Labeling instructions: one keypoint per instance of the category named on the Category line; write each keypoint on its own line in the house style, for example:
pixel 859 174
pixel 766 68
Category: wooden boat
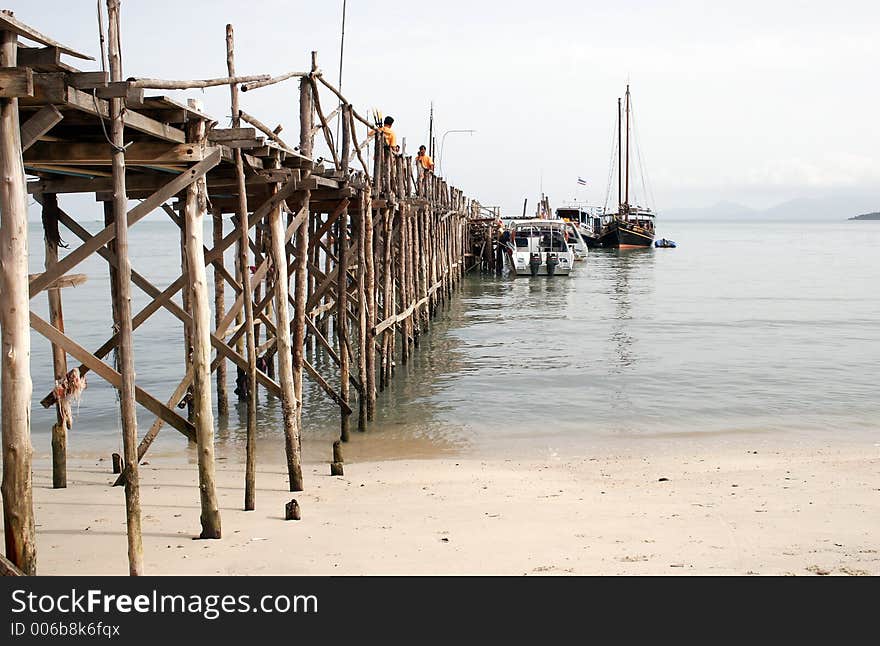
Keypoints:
pixel 632 226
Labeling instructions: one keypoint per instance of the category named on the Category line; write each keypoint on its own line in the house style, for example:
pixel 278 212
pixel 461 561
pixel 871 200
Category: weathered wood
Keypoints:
pixel 337 469
pixel 79 254
pixel 370 288
pixel 63 414
pixel 16 82
pixel 122 295
pixel 200 343
pixel 8 568
pixel 289 403
pixel 159 84
pixel 231 134
pixel 71 280
pixel 116 459
pixel 219 308
pixel 292 511
pixel 90 104
pixel 259 125
pixel 258 83
pixel 337 452
pixel 10 24
pixel 16 389
pixel 38 125
pixel 89 154
pixel 245 278
pixel 342 321
pixel 88 80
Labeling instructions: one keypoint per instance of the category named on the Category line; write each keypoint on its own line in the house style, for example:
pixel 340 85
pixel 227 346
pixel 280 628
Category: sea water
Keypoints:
pixel 747 327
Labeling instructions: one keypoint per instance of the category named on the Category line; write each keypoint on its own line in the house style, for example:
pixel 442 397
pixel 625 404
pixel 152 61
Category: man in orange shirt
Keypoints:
pixel 385 129
pixel 425 160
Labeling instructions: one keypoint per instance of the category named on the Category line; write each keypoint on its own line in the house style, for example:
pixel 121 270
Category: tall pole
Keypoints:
pixel 626 201
pixel 431 131
pixel 17 488
pixel 341 53
pixel 619 159
pixel 122 293
pixel 244 260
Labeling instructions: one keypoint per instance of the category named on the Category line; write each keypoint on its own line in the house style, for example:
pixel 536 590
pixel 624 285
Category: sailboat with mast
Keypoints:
pixel 632 226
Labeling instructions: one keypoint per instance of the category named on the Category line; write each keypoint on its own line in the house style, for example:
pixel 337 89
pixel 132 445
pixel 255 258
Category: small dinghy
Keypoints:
pixel 663 242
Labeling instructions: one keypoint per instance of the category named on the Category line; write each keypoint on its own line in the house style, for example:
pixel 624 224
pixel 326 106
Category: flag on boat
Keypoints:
pixel 582 181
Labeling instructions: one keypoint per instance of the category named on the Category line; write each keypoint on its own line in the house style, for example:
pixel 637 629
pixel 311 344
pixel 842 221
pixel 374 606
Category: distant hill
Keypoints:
pixel 827 207
pixel 868 216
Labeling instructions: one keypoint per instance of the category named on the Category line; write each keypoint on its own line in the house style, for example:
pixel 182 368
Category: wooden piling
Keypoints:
pixel 219 310
pixel 289 402
pixel 244 257
pixel 122 294
pixel 63 417
pixel 18 507
pixel 342 321
pixel 200 340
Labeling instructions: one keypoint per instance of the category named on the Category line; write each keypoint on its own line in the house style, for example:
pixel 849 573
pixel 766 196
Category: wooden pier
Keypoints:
pixel 344 257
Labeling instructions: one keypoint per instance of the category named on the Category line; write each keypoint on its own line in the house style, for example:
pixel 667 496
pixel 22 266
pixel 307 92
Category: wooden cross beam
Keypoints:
pixel 107 373
pixel 82 252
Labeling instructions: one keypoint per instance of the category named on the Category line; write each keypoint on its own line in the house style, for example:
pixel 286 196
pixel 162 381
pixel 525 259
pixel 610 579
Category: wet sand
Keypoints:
pixel 727 506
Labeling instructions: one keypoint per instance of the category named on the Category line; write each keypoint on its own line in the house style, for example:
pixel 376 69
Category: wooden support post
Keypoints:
pixel 292 511
pixel 402 282
pixel 17 488
pixel 342 320
pixel 219 308
pixel 116 460
pixel 63 416
pixel 200 339
pixel 370 289
pixel 244 255
pixel 306 121
pixel 362 312
pixel 122 294
pixel 289 401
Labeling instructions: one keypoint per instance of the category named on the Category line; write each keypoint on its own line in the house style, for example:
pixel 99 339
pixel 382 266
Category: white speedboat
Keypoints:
pixel 543 247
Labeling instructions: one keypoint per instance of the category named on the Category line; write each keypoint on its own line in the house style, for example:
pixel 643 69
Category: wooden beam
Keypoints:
pixel 231 134
pixel 99 107
pixel 16 82
pixel 41 59
pixel 10 23
pixel 138 153
pixel 38 125
pixel 107 373
pixel 136 214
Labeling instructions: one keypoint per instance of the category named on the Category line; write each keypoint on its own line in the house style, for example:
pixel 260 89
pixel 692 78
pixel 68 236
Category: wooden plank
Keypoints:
pixel 136 214
pixel 107 373
pixel 40 59
pixel 9 23
pixel 326 387
pixel 88 80
pixel 99 107
pixel 88 154
pixel 231 134
pixel 38 125
pixel 16 82
pixel 8 568
pixel 49 87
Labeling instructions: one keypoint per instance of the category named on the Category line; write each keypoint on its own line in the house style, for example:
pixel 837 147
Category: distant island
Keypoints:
pixel 868 216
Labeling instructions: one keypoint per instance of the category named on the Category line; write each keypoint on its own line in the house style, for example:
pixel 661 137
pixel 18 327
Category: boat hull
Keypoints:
pixel 622 235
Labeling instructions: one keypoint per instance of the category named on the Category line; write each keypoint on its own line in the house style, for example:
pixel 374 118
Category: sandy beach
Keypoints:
pixel 723 506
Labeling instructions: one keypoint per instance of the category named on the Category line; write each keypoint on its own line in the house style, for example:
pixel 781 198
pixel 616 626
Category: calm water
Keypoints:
pixel 770 327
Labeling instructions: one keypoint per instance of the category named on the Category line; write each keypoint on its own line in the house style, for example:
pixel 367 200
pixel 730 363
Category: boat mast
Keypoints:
pixel 619 161
pixel 626 201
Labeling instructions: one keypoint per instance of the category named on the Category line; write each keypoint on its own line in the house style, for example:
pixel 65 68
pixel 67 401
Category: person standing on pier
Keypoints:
pixel 425 160
pixel 425 167
pixel 390 136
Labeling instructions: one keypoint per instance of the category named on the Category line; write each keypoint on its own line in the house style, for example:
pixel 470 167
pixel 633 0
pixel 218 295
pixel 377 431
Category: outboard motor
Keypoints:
pixel 552 261
pixel 535 263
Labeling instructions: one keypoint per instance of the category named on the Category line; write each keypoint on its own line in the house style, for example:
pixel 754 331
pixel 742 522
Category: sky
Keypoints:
pixel 750 102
